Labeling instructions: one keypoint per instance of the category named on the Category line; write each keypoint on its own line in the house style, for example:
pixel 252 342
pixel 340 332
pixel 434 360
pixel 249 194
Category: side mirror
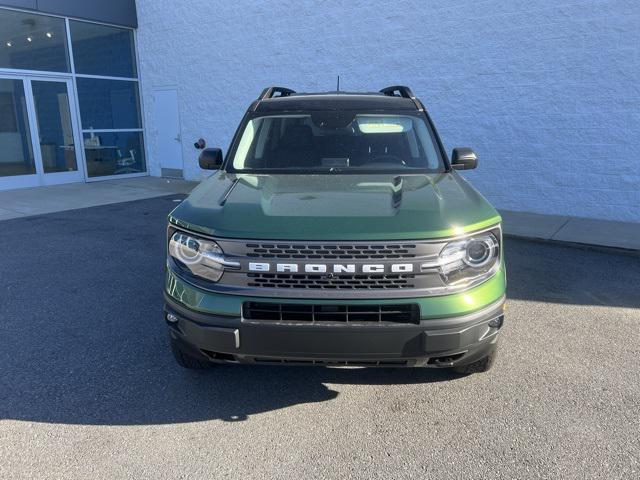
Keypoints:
pixel 210 159
pixel 200 144
pixel 463 158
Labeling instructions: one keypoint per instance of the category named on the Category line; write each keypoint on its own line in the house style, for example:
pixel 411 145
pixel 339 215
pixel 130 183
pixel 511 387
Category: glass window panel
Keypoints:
pixel 114 153
pixel 16 155
pixel 108 104
pixel 103 50
pixel 33 42
pixel 54 126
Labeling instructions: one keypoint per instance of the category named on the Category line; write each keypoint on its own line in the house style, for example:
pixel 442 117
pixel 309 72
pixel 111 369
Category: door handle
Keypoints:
pixel 178 138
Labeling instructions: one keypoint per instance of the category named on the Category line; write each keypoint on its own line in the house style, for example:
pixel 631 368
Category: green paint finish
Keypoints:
pixel 431 307
pixel 335 207
pixel 369 207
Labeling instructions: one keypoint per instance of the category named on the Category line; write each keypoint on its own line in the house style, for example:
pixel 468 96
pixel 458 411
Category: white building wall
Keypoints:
pixel 546 92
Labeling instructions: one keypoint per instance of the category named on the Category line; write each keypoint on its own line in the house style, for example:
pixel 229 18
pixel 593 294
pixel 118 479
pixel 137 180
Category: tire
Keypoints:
pixel 186 360
pixel 480 366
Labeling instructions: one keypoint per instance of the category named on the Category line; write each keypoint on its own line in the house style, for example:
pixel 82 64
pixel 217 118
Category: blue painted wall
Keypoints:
pixel 546 92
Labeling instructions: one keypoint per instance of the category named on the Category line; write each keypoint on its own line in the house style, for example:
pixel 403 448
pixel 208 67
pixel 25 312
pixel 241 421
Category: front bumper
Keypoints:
pixel 436 342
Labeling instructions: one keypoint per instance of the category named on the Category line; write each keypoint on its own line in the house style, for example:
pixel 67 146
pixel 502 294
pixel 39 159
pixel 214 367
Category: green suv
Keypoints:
pixel 336 231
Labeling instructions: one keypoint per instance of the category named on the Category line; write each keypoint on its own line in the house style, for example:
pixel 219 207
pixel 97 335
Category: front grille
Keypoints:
pixel 330 251
pixel 326 269
pixel 342 282
pixel 399 313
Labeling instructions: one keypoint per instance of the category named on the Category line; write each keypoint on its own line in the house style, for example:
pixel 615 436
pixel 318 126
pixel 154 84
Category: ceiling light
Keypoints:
pixel 9 44
pixel 49 34
pixel 29 39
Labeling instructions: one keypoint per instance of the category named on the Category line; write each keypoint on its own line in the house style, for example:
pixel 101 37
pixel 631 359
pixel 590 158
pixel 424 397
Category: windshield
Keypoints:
pixel 337 141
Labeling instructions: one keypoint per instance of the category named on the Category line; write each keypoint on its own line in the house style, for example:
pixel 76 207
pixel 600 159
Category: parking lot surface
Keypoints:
pixel 88 387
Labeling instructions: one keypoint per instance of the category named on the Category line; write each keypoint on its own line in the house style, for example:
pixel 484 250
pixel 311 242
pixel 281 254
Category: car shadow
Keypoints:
pixel 156 391
pixel 82 340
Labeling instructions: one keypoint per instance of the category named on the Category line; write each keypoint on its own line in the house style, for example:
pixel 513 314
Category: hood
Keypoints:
pixel 334 207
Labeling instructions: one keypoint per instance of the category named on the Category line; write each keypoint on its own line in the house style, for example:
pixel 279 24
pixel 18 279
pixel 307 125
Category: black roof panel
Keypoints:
pixel 337 101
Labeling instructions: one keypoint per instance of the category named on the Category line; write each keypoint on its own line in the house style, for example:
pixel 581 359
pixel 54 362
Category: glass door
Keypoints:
pixel 38 133
pixel 17 156
pixel 57 138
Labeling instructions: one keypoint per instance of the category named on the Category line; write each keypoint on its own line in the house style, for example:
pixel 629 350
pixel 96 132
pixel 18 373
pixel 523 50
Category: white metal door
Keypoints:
pixel 167 122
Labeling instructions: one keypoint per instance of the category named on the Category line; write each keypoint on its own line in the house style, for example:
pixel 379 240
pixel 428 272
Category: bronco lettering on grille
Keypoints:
pixel 332 268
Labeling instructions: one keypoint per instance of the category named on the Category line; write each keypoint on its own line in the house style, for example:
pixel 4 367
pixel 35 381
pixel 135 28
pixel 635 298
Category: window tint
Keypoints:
pixel 33 42
pixel 114 153
pixel 16 155
pixel 108 104
pixel 55 131
pixel 102 50
pixel 349 141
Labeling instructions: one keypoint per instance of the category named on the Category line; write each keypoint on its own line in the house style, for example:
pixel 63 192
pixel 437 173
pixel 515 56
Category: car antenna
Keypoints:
pixel 338 86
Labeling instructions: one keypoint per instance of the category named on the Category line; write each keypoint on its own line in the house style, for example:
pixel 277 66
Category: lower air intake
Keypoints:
pixel 291 312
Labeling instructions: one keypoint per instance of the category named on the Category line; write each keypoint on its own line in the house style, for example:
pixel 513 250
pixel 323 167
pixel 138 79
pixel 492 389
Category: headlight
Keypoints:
pixel 203 258
pixel 469 260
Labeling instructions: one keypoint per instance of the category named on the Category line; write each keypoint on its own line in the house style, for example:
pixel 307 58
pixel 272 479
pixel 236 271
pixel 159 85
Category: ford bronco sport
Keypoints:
pixel 336 231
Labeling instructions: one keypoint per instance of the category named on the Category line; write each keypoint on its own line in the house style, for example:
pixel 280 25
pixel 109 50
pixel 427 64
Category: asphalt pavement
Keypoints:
pixel 89 389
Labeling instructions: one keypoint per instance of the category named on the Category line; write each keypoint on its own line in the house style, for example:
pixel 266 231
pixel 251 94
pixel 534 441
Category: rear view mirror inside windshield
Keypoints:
pixel 332 119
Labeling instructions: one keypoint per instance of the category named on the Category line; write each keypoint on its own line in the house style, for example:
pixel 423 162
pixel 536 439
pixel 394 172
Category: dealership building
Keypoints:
pixel 546 93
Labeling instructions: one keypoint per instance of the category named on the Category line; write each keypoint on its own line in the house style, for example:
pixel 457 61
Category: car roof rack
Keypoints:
pixel 404 92
pixel 270 92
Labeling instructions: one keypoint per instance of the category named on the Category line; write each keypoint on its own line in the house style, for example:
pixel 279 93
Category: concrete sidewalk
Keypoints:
pixel 586 231
pixel 39 200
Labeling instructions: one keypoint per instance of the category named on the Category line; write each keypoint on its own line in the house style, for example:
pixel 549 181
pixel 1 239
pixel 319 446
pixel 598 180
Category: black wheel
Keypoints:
pixel 480 366
pixel 185 360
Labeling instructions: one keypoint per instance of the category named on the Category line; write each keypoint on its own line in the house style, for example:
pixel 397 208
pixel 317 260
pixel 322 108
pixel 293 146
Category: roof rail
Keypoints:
pixel 270 92
pixel 402 91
